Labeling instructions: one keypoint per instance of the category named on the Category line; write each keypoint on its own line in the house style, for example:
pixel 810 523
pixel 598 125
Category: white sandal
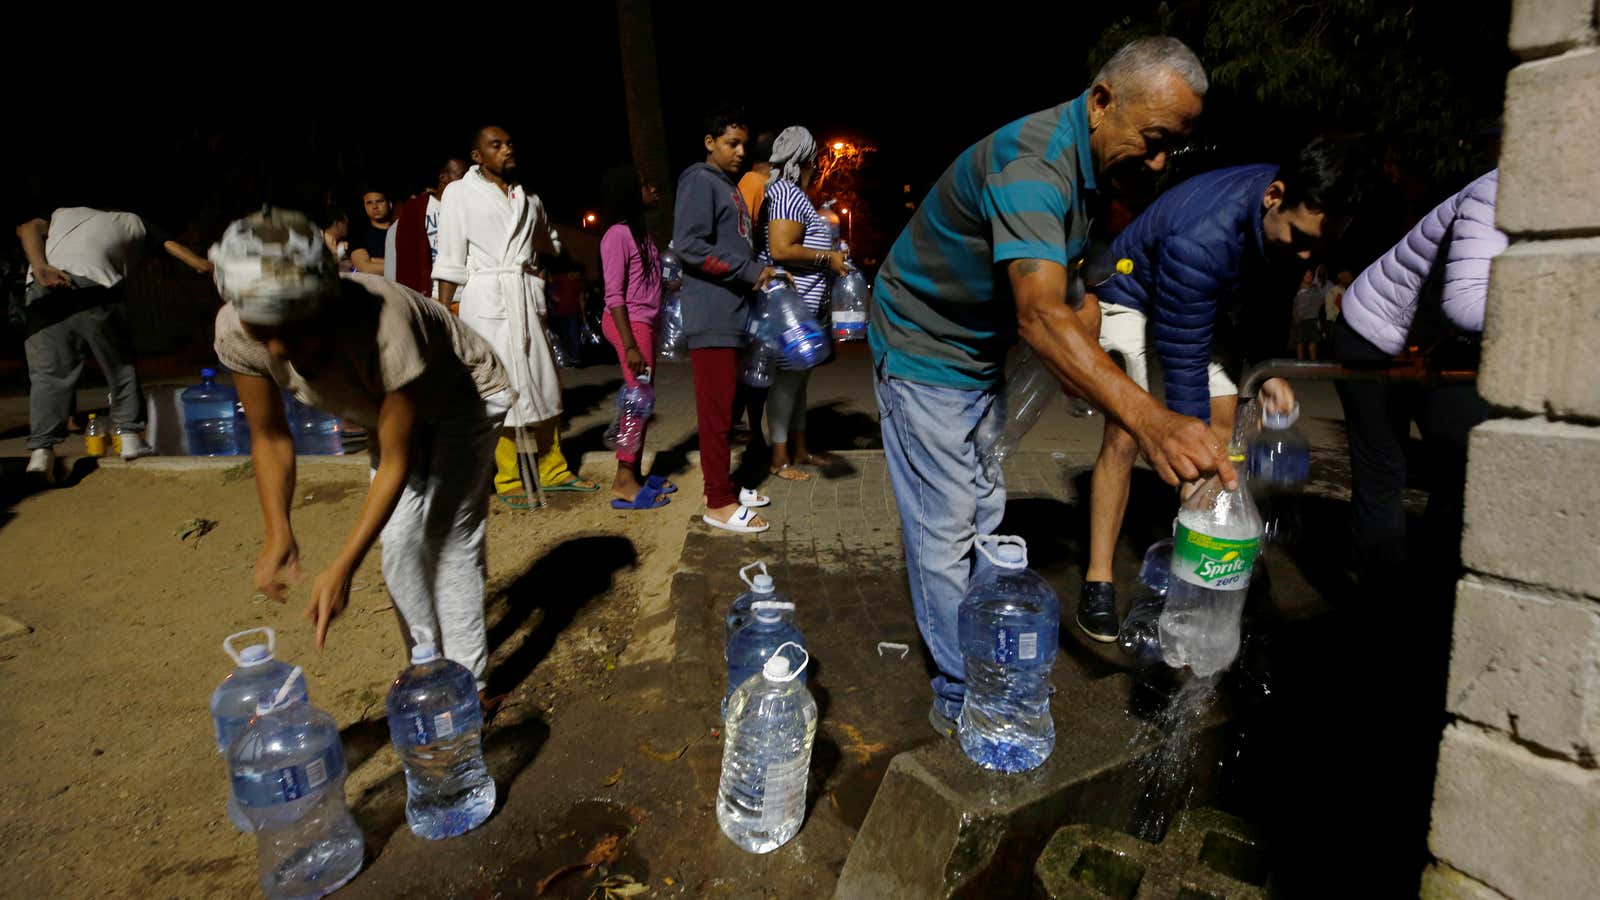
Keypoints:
pixel 749 497
pixel 739 522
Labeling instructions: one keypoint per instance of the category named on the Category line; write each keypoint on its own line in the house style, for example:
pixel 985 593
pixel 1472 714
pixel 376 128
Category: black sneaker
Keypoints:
pixel 941 723
pixel 1097 611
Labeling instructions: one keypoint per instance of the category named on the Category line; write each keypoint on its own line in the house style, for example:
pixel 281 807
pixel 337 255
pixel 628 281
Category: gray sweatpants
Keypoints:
pixel 55 364
pixel 434 545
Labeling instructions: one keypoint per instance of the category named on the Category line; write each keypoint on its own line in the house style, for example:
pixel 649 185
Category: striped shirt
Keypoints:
pixel 786 201
pixel 943 315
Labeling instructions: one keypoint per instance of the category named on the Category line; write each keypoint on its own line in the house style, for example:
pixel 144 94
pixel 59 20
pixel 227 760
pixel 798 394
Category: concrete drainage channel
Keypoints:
pixel 941 827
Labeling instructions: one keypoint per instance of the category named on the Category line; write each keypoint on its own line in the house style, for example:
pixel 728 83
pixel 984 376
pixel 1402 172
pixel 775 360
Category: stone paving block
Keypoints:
pixel 1527 661
pixel 1209 854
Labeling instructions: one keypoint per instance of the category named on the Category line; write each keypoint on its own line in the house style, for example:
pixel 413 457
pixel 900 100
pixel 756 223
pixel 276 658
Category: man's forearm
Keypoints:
pixel 447 293
pixel 184 255
pixel 1066 347
pixel 396 432
pixel 32 234
pixel 272 457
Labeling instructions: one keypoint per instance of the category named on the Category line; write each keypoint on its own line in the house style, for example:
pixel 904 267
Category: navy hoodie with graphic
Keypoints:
pixel 711 234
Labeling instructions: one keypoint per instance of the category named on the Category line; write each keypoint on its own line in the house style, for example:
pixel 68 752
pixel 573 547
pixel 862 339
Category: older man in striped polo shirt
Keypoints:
pixel 985 261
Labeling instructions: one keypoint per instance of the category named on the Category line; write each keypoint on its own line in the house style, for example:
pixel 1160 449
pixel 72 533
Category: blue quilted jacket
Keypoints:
pixel 1188 250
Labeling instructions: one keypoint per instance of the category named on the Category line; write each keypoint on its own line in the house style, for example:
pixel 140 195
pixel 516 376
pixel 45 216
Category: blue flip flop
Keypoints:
pixel 660 483
pixel 645 499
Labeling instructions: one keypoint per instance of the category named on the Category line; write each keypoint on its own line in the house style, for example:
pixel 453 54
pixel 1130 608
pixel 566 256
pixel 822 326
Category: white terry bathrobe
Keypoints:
pixel 488 241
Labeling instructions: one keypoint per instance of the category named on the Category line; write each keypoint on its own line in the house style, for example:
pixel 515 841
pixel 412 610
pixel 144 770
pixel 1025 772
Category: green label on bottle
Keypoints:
pixel 1212 562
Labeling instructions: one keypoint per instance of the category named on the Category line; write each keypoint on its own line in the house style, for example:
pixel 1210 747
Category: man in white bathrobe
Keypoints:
pixel 490 234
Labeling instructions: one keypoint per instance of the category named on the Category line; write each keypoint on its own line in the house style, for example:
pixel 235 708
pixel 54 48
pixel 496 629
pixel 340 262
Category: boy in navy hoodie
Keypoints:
pixel 712 236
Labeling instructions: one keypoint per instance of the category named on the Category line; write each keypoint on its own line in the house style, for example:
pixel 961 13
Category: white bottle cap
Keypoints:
pixel 777 668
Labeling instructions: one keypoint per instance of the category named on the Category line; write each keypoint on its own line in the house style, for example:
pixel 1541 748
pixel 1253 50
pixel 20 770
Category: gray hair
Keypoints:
pixel 1130 70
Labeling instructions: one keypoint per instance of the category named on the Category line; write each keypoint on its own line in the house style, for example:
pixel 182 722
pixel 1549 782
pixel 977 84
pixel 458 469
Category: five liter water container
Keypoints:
pixel 1028 391
pixel 672 342
pixel 315 432
pixel 849 300
pixel 1279 465
pixel 1213 551
pixel 757 371
pixel 741 613
pixel 751 646
pixel 208 418
pixel 1140 634
pixel 1009 621
pixel 288 774
pixel 257 675
pixel 435 723
pixel 789 330
pixel 671 271
pixel 766 755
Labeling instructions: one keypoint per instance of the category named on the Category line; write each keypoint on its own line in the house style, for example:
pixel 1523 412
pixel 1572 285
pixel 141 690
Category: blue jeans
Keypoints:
pixel 945 500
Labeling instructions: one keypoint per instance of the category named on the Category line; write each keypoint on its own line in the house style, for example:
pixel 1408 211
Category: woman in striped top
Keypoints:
pixel 799 241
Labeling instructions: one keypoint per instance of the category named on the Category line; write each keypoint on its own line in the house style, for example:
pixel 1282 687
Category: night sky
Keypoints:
pixel 194 123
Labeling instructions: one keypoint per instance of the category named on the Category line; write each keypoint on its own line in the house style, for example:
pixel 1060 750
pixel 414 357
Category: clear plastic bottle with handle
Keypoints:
pixel 748 649
pixel 288 772
pixel 790 330
pixel 1214 549
pixel 257 675
pixel 766 755
pixel 435 724
pixel 849 298
pixel 1279 465
pixel 1008 626
pixel 741 613
pixel 635 405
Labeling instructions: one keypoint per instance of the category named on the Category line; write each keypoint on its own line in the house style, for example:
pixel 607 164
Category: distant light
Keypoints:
pixel 838 145
pixel 845 211
pixel 589 218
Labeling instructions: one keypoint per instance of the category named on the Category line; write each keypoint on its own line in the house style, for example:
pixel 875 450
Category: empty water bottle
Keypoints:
pixel 757 370
pixel 849 299
pixel 1028 391
pixel 1008 624
pixel 671 270
pixel 1140 635
pixel 315 432
pixel 435 724
pixel 672 341
pixel 750 646
pixel 208 417
pixel 741 614
pixel 288 773
pixel 766 755
pixel 1213 553
pixel 1156 570
pixel 1279 465
pixel 256 676
pixel 792 332
pixel 635 404
pixel 558 351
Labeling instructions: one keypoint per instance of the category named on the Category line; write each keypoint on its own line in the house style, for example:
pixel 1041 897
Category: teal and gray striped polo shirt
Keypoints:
pixel 944 315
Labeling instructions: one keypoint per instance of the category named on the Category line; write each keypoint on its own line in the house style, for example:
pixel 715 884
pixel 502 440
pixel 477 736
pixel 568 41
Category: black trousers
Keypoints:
pixel 1378 417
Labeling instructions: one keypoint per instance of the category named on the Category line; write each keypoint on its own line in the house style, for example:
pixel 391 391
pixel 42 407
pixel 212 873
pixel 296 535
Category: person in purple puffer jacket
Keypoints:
pixel 1427 292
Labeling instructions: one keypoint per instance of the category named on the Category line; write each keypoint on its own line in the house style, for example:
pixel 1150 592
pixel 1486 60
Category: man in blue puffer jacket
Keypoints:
pixel 1191 251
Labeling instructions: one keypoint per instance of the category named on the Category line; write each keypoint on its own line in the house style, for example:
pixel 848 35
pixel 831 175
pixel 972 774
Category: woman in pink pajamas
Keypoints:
pixel 632 268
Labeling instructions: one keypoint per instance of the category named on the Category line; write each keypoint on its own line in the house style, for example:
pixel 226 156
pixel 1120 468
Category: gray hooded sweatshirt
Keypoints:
pixel 711 234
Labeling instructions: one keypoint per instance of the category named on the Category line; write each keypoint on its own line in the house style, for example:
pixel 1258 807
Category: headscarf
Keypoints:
pixel 274 267
pixel 792 150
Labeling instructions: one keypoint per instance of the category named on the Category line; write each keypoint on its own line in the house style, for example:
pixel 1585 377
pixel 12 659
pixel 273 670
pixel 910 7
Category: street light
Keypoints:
pixel 589 219
pixel 838 145
pixel 849 226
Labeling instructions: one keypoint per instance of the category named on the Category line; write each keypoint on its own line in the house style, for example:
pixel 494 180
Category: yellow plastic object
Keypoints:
pixel 1125 266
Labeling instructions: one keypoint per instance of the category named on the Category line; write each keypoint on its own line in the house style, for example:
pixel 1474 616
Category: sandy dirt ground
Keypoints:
pixel 110 783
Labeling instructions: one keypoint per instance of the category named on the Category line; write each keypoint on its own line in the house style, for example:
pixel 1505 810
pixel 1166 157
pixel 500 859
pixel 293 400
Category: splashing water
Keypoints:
pixel 1165 770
